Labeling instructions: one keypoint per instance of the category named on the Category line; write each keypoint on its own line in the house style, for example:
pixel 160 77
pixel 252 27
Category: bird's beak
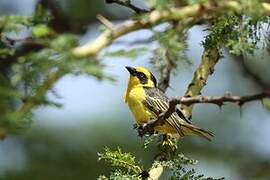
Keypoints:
pixel 131 70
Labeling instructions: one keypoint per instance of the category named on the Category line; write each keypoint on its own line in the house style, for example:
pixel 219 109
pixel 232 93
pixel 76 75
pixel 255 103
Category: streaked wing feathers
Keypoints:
pixel 157 102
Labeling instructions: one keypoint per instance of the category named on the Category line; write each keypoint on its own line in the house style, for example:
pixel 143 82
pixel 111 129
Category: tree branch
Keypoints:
pixel 170 56
pixel 108 24
pixel 42 90
pixel 155 17
pixel 206 68
pixel 165 74
pixel 217 100
pixel 128 4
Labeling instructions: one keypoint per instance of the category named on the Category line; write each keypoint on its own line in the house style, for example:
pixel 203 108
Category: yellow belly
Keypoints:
pixel 135 99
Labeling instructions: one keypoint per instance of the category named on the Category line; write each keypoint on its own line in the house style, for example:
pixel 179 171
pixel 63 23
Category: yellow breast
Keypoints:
pixel 134 99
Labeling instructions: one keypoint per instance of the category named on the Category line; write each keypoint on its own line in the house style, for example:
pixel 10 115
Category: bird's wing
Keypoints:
pixel 157 102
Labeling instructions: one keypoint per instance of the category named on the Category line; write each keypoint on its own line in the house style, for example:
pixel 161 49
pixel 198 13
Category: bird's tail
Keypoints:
pixel 190 129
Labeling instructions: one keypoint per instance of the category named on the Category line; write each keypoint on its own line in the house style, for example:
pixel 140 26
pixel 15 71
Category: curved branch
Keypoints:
pixel 155 17
pixel 106 38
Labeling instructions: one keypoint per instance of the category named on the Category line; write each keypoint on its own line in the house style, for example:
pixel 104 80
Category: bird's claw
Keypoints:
pixel 145 129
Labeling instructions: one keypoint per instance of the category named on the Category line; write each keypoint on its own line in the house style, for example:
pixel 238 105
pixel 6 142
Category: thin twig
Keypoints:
pixel 128 4
pixel 105 22
pixel 170 56
pixel 24 42
pixel 165 72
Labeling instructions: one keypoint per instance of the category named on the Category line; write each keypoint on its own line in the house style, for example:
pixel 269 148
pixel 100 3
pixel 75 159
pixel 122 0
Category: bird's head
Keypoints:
pixel 141 77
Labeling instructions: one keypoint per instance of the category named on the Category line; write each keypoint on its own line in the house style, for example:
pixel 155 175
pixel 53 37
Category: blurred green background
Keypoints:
pixel 63 143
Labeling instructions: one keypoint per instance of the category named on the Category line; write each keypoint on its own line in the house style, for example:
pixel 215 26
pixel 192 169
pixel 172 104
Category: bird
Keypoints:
pixel 147 102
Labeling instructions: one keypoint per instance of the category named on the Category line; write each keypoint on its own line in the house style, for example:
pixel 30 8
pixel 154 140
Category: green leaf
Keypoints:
pixel 64 43
pixel 41 30
pixel 132 53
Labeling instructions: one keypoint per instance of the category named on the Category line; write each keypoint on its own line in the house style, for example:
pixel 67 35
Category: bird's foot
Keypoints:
pixel 146 128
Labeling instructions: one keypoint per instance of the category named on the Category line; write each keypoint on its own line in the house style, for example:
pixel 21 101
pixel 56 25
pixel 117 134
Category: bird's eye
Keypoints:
pixel 141 76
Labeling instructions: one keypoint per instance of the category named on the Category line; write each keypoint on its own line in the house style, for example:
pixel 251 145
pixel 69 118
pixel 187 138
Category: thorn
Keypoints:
pixel 241 103
pixel 220 104
pixel 211 70
pixel 241 109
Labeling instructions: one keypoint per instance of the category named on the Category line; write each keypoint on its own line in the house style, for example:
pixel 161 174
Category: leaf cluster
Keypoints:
pixel 241 34
pixel 127 53
pixel 125 164
pixel 30 51
pixel 126 167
